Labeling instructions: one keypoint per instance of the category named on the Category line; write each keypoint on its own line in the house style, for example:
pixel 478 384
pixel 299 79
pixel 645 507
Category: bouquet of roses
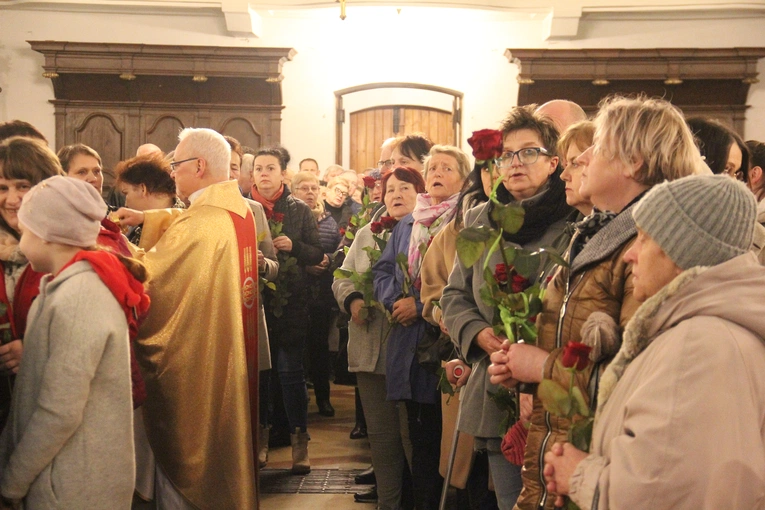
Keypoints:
pixel 363 281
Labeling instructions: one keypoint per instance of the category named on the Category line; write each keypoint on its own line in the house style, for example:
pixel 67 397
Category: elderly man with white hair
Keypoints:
pixel 198 345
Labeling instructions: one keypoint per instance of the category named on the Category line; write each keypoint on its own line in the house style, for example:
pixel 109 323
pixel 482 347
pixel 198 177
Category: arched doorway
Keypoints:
pixel 377 111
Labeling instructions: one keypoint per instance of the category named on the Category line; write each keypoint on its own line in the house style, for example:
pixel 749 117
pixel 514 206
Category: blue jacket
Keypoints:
pixel 404 377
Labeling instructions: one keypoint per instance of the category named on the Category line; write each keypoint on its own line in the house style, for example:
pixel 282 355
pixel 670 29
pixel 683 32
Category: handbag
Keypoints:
pixel 433 348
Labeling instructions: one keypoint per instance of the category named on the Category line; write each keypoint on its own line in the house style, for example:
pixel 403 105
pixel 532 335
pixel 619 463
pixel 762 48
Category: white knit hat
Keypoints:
pixel 701 220
pixel 63 210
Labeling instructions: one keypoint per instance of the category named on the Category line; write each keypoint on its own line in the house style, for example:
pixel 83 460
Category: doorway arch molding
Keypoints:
pixel 340 114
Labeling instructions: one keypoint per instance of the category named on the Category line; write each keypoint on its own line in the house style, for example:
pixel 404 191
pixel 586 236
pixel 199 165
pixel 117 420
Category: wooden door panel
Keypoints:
pixel 164 132
pixel 104 133
pixel 370 127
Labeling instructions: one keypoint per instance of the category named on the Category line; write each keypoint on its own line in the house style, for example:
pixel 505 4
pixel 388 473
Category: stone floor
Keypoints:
pixel 329 448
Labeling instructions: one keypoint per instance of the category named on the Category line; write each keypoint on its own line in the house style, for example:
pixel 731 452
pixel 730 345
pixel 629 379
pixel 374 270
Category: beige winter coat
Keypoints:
pixel 681 419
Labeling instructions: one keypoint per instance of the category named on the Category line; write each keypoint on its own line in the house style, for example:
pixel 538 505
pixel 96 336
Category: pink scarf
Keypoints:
pixel 429 219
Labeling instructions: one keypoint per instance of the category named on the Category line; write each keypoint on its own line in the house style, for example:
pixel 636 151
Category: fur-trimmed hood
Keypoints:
pixel 731 291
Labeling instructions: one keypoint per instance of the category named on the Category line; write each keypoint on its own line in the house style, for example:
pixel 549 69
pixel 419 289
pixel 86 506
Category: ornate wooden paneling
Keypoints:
pixel 164 130
pixel 713 82
pixel 115 97
pixel 243 130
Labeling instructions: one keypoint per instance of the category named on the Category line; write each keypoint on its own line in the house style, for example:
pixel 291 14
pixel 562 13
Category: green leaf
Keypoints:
pixel 554 397
pixel 527 264
pixel 510 253
pixel 580 434
pixel 469 252
pixel 580 404
pixel 475 234
pixel 341 273
pixel 486 295
pixel 349 234
pixel 555 256
pixel 509 217
pixel 535 305
pixel 271 285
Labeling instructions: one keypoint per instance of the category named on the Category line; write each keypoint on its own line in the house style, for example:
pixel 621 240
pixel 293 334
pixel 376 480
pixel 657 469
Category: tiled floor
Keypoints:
pixel 330 447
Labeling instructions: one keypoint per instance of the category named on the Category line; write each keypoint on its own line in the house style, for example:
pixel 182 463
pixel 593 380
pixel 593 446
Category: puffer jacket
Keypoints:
pixel 681 416
pixel 598 279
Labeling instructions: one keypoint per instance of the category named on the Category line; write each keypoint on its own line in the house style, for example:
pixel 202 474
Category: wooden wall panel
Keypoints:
pixel 243 130
pixel 104 133
pixel 164 132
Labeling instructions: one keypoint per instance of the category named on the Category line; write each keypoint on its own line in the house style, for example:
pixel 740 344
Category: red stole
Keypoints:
pixel 248 272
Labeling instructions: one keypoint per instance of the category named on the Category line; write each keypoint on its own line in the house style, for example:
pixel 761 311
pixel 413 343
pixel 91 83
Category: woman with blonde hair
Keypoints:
pixel 638 143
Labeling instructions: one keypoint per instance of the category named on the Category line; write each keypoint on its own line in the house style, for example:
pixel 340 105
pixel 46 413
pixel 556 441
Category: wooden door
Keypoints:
pixel 372 126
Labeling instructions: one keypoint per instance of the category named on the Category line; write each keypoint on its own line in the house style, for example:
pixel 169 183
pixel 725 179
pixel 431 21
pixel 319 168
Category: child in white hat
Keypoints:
pixel 69 438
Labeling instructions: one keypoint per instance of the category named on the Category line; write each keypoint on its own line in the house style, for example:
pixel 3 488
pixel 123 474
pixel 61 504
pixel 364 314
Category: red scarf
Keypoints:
pixel 131 296
pixel 267 204
pixel 128 291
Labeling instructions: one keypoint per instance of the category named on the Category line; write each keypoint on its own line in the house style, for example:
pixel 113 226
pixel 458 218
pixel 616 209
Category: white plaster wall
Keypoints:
pixel 454 48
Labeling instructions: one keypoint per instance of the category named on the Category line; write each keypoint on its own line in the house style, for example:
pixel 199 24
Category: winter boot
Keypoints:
pixel 300 463
pixel 263 446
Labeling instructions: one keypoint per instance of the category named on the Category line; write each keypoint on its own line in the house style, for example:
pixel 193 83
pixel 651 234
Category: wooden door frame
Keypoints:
pixel 457 105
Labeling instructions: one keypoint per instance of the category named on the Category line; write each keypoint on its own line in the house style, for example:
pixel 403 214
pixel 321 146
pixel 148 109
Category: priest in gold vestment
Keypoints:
pixel 192 346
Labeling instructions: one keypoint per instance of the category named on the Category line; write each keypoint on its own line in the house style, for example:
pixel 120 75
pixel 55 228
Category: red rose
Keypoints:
pixel 519 283
pixel 388 222
pixel 369 181
pixel 500 273
pixel 376 227
pixel 486 144
pixel 278 217
pixel 577 355
pixel 342 232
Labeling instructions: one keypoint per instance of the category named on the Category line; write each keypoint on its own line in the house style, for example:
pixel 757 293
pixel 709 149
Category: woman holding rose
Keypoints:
pixel 397 287
pixel 531 178
pixel 637 144
pixel 367 341
pixel 694 345
pixel 298 239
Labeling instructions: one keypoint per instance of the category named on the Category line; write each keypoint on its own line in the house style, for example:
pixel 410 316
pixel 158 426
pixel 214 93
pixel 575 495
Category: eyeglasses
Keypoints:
pixel 385 163
pixel 340 192
pixel 174 164
pixel 306 189
pixel 526 156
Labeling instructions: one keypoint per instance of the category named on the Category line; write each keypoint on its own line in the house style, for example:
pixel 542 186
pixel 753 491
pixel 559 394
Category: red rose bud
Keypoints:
pixel 500 273
pixel 486 144
pixel 388 222
pixel 278 217
pixel 342 232
pixel 376 227
pixel 576 355
pixel 369 181
pixel 520 283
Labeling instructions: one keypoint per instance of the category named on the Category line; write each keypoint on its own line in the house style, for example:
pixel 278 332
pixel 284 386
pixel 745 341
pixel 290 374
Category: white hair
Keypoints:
pixel 210 146
pixel 248 163
pixel 331 169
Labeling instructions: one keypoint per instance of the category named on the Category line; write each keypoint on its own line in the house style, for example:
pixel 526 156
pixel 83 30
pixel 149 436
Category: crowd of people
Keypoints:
pixel 157 338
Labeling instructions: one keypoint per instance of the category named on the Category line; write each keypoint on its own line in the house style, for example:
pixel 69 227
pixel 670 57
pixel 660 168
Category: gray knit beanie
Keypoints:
pixel 701 220
pixel 63 210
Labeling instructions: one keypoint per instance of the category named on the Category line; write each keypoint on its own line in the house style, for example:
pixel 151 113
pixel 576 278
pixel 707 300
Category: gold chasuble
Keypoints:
pixel 192 352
